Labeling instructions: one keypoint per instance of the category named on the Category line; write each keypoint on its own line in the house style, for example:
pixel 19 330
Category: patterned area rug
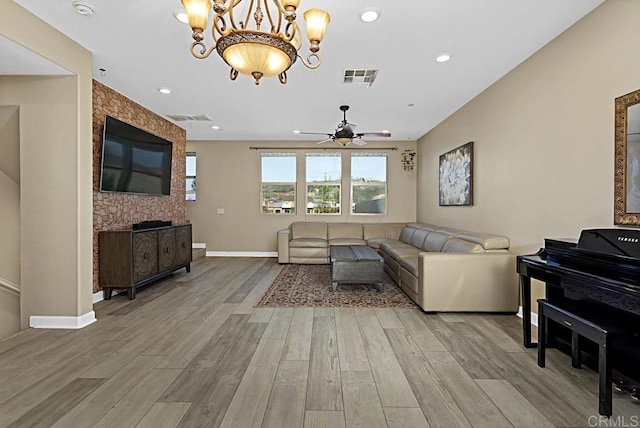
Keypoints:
pixel 310 286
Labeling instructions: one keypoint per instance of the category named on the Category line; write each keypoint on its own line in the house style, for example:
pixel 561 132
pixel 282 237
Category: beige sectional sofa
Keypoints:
pixel 441 269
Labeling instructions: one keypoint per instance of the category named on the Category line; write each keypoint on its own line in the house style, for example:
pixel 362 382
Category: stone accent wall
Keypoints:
pixel 120 210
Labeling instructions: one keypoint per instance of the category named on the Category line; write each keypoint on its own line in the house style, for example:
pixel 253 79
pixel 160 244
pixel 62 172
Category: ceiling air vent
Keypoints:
pixel 361 76
pixel 189 117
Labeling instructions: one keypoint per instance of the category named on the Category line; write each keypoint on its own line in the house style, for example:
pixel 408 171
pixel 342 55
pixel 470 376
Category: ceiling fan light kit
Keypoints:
pixel 255 52
pixel 345 132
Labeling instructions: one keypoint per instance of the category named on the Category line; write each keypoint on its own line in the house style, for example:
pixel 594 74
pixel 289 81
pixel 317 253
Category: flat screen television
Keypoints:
pixel 133 160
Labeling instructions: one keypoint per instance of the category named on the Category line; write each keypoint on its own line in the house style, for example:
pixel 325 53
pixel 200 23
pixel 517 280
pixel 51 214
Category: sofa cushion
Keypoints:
pixel 347 241
pixel 390 244
pixel 406 233
pixel 418 237
pixel 382 230
pixel 308 252
pixel 390 263
pixel 435 241
pixel 308 243
pixel 449 231
pixel 488 241
pixel 344 230
pixel 401 252
pixel 376 243
pixel 410 263
pixel 429 227
pixel 308 230
pixel 455 245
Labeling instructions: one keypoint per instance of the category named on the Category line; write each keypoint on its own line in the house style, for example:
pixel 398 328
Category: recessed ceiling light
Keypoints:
pixel 370 15
pixel 296 131
pixel 181 16
pixel 443 57
pixel 82 8
pixel 216 127
pixel 165 91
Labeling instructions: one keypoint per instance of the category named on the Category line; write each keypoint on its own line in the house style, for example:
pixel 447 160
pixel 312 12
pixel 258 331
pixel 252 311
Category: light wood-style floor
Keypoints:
pixel 192 351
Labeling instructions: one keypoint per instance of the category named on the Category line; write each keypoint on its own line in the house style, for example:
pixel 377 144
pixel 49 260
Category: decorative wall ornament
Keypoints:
pixel 408 159
pixel 456 176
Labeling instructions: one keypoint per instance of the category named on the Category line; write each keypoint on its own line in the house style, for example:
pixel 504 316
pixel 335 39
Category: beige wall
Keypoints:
pixel 9 255
pixel 543 136
pixel 228 177
pixel 10 215
pixel 48 200
pixel 55 168
pixel 10 194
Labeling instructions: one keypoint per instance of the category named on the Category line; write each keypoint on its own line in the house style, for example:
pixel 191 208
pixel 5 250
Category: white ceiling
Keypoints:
pixel 142 47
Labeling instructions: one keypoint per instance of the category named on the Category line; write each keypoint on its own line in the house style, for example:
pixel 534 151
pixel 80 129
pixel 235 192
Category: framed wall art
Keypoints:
pixel 456 176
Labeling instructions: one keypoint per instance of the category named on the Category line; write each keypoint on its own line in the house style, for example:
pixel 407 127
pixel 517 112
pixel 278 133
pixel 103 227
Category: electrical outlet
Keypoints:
pixel 220 211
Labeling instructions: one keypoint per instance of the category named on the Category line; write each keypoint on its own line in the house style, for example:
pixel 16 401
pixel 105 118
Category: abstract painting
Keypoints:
pixel 456 176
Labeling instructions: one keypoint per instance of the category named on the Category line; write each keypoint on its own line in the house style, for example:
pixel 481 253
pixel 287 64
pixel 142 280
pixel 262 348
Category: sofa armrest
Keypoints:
pixel 284 236
pixel 485 282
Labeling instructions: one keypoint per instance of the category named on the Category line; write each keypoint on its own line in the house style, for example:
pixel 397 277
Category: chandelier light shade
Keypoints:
pixel 248 49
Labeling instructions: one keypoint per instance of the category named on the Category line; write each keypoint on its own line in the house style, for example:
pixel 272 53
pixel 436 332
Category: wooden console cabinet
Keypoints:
pixel 131 258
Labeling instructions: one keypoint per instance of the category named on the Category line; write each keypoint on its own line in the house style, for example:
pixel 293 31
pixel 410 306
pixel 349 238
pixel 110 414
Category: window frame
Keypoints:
pixel 294 184
pixel 191 177
pixel 353 184
pixel 315 183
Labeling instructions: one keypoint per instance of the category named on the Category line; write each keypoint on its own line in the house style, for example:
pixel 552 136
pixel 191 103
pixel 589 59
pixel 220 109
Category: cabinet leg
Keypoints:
pixel 106 293
pixel 131 293
pixel 188 267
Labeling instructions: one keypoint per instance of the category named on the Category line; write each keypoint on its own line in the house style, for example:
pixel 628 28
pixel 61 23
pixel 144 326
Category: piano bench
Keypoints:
pixel 583 321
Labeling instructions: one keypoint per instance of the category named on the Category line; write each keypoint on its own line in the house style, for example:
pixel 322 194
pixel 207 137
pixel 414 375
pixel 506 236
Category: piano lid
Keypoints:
pixel 619 242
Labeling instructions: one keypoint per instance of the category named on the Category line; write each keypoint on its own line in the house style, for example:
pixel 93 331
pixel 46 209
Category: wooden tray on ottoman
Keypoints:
pixel 356 264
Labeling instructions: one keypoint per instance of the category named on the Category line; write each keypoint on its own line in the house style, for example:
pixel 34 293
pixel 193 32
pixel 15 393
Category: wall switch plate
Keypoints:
pixel 220 211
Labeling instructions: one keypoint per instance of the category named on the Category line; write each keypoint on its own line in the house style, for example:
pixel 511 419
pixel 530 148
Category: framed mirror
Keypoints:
pixel 627 159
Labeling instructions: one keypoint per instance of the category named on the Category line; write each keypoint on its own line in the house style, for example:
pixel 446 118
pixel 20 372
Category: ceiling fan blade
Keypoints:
pixel 325 141
pixel 374 134
pixel 359 141
pixel 315 133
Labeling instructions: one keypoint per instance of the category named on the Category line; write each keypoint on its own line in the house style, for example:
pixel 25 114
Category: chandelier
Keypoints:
pixel 252 51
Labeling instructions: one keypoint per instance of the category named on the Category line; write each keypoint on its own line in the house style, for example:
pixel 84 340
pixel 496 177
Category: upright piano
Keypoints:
pixel 601 269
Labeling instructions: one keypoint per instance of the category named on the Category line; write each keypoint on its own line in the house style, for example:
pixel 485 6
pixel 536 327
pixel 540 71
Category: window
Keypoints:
pixel 323 183
pixel 191 176
pixel 368 183
pixel 278 186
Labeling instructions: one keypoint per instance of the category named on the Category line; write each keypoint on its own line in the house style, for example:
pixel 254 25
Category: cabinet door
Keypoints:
pixel 166 249
pixel 183 244
pixel 145 255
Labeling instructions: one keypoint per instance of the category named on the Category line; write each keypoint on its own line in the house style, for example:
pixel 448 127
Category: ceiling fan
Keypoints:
pixel 345 132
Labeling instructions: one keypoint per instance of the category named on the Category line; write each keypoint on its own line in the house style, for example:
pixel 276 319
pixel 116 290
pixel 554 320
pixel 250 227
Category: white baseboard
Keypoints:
pixel 241 254
pixel 534 316
pixel 198 245
pixel 36 321
pixel 98 297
